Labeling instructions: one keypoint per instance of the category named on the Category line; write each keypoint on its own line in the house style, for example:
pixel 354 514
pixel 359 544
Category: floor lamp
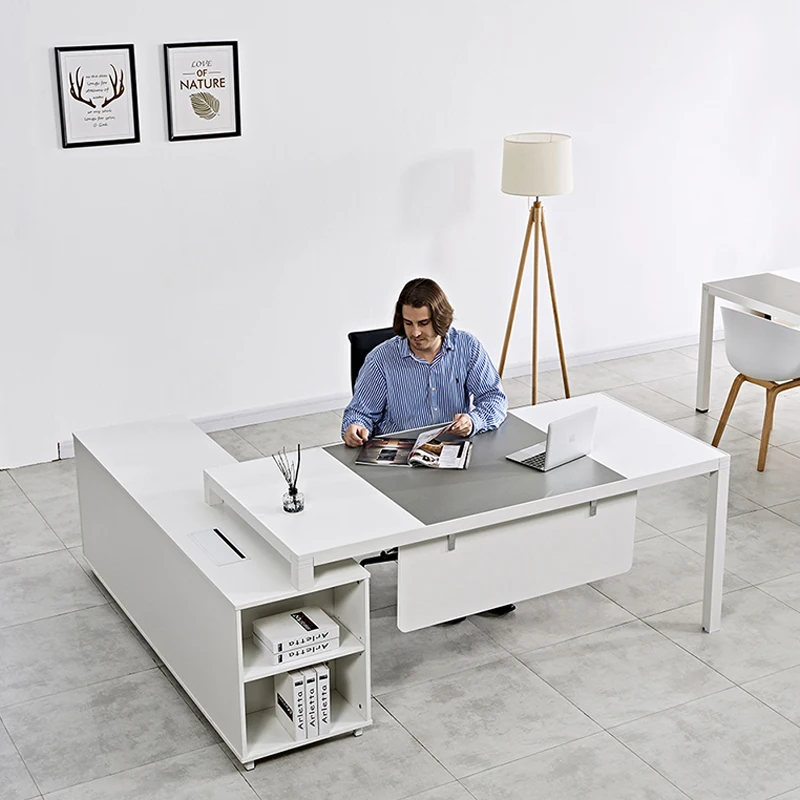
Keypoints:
pixel 536 165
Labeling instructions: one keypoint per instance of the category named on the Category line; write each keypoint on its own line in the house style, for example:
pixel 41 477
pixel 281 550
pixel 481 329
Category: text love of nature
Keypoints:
pixel 201 81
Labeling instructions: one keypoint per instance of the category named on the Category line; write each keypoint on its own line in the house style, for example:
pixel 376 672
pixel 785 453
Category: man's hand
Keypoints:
pixel 355 435
pixel 462 425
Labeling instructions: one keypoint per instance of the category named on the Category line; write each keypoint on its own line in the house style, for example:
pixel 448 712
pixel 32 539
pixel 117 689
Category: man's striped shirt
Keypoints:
pixel 395 390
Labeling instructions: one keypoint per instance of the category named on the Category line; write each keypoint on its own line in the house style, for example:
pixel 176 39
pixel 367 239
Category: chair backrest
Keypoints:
pixel 361 343
pixel 760 348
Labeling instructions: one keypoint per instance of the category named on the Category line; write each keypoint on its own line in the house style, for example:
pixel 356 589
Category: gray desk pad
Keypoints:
pixel 490 482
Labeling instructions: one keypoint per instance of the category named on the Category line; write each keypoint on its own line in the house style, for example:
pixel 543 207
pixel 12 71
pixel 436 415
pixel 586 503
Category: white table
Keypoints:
pixel 347 517
pixel 774 293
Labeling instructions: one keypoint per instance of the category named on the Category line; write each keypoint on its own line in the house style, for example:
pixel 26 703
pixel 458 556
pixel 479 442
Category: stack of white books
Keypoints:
pixel 303 702
pixel 305 634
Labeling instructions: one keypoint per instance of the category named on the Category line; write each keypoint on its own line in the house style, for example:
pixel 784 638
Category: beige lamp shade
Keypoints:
pixel 537 164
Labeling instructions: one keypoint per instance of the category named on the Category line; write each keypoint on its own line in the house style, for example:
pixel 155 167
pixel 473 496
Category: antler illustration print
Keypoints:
pixel 117 86
pixel 76 89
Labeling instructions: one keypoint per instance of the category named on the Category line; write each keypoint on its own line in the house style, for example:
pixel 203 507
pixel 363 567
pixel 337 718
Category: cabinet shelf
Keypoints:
pixel 256 661
pixel 266 736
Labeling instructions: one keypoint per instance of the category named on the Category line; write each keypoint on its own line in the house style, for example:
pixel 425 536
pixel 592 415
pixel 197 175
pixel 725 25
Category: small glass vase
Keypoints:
pixel 293 501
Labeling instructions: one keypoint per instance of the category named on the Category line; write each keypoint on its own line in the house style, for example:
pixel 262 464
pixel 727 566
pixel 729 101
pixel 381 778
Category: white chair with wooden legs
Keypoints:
pixel 762 352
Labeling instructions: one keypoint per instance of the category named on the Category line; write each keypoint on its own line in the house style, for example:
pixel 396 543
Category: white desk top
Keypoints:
pixel 347 517
pixel 767 292
pixel 160 464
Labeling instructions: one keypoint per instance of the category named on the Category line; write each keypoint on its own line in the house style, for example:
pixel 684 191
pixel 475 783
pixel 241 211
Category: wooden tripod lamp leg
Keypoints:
pixel 537 223
pixel 512 312
pixel 555 306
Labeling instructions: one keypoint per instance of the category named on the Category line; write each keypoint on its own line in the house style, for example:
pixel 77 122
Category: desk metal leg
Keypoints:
pixel 715 545
pixel 704 356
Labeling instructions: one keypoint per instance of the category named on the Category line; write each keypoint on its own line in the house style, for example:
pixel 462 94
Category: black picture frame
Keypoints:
pixel 202 90
pixel 84 101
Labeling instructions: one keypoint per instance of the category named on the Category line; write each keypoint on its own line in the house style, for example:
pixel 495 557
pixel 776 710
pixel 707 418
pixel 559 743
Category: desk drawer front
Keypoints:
pixel 514 561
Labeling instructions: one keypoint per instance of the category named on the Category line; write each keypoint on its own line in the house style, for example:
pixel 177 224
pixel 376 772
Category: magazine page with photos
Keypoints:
pixel 433 448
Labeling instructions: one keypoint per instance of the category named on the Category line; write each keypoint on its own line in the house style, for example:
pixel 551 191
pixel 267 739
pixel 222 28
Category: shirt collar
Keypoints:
pixel 447 344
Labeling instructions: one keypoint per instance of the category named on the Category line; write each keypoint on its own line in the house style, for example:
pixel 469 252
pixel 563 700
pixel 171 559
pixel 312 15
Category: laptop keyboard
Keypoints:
pixel 535 461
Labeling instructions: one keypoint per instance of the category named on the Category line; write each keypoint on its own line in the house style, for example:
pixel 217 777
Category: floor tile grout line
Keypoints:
pixel 490 660
pixel 783 794
pixel 653 713
pixel 506 652
pixel 763 702
pixel 505 763
pixel 43 518
pixel 694 655
pixel 560 694
pixel 710 666
pixel 469 793
pixel 736 574
pixel 60 549
pixel 702 555
pixel 642 382
pixel 685 703
pixel 76 689
pixel 130 769
pixel 414 737
pixel 648 764
pixel 21 757
pixel 671 608
pixel 549 749
pixel 611 599
pixel 53 616
pixel 772 596
pixel 577 637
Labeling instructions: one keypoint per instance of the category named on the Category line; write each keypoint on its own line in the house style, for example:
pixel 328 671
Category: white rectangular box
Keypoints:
pixel 310 652
pixel 294 629
pixel 323 699
pixel 312 711
pixel 290 705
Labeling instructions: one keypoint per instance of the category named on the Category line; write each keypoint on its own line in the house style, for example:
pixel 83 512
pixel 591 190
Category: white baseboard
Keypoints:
pixel 252 416
pixel 255 416
pixel 595 356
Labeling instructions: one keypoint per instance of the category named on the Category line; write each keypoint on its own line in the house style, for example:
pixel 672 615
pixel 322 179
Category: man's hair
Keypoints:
pixel 421 292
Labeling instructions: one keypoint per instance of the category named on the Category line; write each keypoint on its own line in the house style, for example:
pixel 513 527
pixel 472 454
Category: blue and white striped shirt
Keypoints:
pixel 395 390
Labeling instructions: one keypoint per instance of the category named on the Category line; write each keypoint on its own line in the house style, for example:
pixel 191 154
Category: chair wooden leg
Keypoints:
pixel 769 413
pixel 726 412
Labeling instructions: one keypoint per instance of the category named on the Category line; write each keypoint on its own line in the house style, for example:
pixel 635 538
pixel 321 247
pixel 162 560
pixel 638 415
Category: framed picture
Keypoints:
pixel 97 95
pixel 202 90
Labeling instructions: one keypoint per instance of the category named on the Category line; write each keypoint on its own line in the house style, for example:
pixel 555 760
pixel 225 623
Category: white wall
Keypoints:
pixel 205 278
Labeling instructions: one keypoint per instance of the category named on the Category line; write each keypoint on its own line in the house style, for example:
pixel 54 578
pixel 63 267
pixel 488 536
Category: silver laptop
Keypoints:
pixel 568 438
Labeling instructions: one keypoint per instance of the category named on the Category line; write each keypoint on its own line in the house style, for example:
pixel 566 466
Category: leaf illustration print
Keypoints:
pixel 205 105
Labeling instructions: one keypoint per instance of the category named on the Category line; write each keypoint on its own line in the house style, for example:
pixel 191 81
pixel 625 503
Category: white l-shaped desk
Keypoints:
pixel 346 516
pixel 194 546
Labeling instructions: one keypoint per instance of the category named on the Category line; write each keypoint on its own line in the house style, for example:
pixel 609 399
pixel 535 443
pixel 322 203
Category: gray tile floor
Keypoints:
pixel 607 691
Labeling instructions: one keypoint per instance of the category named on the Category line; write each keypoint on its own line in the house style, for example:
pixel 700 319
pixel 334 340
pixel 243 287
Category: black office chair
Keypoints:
pixel 361 343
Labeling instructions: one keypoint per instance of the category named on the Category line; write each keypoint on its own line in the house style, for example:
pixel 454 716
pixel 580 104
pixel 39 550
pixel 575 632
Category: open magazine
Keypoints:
pixel 433 448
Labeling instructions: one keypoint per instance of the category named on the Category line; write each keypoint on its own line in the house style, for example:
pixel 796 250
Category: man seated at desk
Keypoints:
pixel 427 374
